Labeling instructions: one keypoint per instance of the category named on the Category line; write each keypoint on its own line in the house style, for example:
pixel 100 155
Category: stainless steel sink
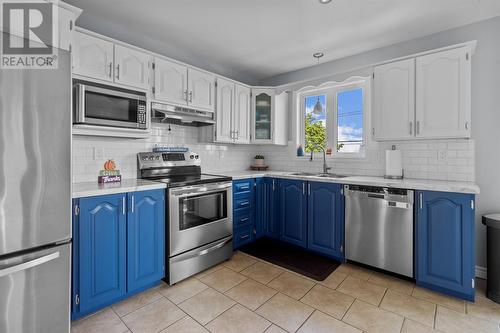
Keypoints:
pixel 323 175
pixel 303 174
pixel 331 175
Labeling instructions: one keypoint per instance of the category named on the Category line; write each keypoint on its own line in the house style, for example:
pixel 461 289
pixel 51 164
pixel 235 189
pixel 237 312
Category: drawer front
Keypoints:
pixel 241 203
pixel 242 220
pixel 243 186
pixel 242 236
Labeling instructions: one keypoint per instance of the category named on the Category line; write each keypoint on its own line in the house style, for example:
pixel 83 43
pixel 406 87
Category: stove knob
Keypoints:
pixel 151 158
pixel 191 156
pixel 144 158
pixel 157 158
pixel 197 157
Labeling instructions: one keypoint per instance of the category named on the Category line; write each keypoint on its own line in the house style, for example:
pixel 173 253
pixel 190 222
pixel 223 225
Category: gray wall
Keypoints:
pixel 485 101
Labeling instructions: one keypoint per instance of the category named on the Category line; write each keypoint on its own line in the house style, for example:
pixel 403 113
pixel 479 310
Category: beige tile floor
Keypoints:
pixel 246 294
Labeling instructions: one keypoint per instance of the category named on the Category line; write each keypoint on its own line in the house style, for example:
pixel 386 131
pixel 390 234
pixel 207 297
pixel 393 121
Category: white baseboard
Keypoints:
pixel 481 272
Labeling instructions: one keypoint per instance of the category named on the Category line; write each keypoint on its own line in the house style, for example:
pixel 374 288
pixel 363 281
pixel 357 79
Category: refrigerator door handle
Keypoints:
pixel 28 264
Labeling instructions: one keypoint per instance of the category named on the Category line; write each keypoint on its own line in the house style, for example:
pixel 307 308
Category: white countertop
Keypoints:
pixel 407 183
pixel 90 189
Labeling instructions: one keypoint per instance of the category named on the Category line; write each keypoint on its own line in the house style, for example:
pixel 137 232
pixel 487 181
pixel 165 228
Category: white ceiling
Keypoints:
pixel 255 39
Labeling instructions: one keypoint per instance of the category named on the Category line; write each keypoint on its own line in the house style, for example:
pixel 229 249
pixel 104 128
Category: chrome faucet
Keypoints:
pixel 326 168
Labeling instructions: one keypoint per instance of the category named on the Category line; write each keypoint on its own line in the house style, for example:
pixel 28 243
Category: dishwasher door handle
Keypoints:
pixel 376 196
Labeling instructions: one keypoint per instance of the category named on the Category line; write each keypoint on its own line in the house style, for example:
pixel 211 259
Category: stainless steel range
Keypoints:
pixel 199 206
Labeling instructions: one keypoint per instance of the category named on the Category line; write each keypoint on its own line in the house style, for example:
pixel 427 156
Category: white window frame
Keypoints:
pixel 331 89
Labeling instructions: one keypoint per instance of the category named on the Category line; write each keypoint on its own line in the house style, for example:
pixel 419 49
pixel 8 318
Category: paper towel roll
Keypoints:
pixel 393 164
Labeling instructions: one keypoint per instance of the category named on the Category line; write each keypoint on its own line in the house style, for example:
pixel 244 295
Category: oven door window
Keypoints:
pixel 103 106
pixel 202 209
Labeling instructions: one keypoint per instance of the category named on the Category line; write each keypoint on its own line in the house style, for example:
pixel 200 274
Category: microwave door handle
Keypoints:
pixel 80 103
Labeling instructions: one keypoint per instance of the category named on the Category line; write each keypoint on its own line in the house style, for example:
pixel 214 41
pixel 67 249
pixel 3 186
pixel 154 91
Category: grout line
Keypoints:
pixel 128 328
pixel 220 314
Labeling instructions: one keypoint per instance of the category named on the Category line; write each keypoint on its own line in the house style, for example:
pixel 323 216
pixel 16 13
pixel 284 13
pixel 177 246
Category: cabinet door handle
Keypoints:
pixel 273 184
pixel 244 236
pixel 118 71
pixel 190 97
pixel 308 188
pixel 110 69
pixel 411 127
pixel 303 188
pixel 133 204
pixel 243 219
pixel 418 127
pixel 244 203
pixel 123 205
pixel 186 94
pixel 466 125
pixel 420 201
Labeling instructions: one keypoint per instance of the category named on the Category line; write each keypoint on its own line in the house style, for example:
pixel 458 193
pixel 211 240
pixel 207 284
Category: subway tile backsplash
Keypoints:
pixel 426 159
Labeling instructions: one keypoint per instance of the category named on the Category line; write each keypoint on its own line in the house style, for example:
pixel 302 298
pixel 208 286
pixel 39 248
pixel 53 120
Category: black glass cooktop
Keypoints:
pixel 187 180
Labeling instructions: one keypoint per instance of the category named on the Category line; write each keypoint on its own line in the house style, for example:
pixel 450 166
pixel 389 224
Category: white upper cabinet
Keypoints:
pixel 179 85
pixel 242 113
pixel 281 115
pixel 426 97
pixel 93 57
pixel 201 86
pixel 225 111
pixel 170 82
pixel 443 107
pixel 394 100
pixel 131 67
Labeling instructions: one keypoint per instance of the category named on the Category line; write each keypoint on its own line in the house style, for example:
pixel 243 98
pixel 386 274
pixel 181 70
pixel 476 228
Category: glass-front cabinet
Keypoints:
pixel 263 115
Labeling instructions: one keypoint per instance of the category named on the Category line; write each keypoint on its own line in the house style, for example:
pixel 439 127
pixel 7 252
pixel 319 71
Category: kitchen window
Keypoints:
pixel 333 117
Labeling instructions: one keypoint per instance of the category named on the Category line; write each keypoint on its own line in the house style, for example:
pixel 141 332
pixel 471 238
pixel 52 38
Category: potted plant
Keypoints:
pixel 259 160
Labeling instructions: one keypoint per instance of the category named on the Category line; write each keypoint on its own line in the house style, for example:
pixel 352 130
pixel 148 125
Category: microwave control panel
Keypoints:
pixel 141 112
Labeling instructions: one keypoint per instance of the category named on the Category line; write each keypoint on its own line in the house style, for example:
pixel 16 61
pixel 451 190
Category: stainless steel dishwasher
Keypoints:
pixel 379 227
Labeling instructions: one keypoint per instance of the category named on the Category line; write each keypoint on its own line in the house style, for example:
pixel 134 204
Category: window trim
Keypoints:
pixel 331 89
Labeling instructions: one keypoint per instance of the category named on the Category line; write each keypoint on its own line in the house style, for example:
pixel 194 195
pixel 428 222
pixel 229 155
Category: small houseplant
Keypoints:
pixel 259 160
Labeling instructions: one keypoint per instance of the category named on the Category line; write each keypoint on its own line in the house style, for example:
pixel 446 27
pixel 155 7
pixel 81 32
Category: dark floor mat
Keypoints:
pixel 291 257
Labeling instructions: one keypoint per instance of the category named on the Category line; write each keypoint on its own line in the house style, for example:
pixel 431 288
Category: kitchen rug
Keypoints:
pixel 292 257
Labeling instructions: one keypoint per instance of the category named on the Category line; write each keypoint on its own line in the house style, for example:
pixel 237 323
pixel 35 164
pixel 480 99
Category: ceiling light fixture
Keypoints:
pixel 325 1
pixel 318 108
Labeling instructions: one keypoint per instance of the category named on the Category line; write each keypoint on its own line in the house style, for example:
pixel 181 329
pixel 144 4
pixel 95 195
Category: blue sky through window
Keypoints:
pixel 350 120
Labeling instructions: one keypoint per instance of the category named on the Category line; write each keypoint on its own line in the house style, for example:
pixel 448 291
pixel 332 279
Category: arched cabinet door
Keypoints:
pixel 131 67
pixel 102 249
pixel 170 82
pixel 445 242
pixel 325 221
pixel 145 238
pixel 293 208
pixel 201 90
pixel 93 57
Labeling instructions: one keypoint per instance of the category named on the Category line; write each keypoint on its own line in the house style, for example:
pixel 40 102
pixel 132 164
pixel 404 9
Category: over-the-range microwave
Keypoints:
pixel 95 104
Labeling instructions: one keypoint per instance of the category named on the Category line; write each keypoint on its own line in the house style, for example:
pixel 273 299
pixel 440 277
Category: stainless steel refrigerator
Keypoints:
pixel 35 198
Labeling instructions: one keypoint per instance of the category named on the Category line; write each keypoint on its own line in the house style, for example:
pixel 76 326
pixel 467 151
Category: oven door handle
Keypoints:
pixel 181 193
pixel 210 249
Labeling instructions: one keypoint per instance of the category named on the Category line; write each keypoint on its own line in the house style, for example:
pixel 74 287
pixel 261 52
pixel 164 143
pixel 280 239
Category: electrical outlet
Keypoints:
pixel 98 153
pixel 442 155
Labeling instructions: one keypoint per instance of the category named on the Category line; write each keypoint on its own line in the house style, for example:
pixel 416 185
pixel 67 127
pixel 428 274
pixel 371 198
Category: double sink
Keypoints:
pixel 322 175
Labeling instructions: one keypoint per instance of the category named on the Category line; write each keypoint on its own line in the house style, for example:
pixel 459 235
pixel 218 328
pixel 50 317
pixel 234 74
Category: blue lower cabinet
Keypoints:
pixel 243 212
pixel 325 219
pixel 118 248
pixel 102 251
pixel 242 236
pixel 445 243
pixel 145 238
pixel 267 221
pixel 293 211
